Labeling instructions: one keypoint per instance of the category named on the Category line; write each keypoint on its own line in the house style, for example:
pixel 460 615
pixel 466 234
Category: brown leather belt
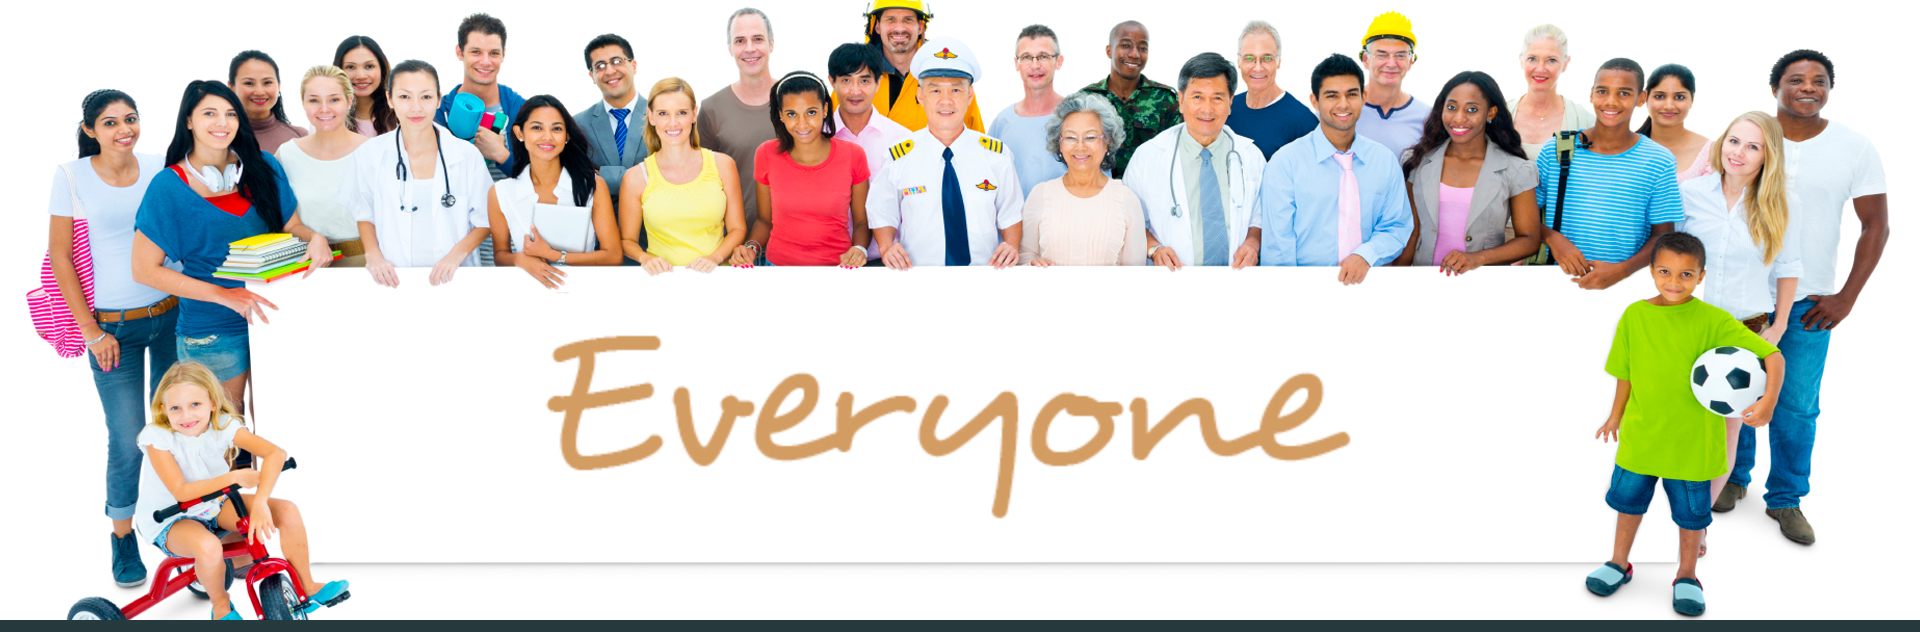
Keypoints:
pixel 149 311
pixel 1757 323
pixel 350 248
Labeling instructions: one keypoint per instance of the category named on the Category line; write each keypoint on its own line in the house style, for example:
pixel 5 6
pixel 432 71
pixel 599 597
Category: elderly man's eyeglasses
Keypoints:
pixel 1089 139
pixel 616 62
pixel 1401 56
pixel 1263 60
pixel 1032 59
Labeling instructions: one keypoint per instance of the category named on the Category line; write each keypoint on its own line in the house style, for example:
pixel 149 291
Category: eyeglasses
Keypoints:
pixel 1081 140
pixel 616 62
pixel 1031 59
pixel 1402 56
pixel 1263 60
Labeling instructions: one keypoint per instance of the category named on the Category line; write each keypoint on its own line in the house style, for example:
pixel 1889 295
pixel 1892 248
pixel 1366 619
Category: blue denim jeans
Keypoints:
pixel 1791 432
pixel 145 344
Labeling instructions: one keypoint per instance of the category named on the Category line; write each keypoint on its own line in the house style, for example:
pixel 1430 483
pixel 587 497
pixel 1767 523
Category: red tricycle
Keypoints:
pixel 275 589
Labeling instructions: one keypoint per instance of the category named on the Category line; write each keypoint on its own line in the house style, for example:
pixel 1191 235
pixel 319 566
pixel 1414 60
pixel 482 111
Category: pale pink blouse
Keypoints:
pixel 1699 166
pixel 1104 230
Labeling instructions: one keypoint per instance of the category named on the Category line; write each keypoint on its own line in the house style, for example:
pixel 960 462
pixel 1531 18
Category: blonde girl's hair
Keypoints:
pixel 1766 198
pixel 667 86
pixel 197 374
pixel 338 75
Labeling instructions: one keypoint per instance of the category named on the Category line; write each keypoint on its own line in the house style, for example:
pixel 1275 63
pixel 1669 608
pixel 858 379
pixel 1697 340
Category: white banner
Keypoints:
pixel 946 415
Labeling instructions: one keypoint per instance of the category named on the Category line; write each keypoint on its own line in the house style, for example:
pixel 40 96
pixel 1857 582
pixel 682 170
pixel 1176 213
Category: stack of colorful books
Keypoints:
pixel 264 258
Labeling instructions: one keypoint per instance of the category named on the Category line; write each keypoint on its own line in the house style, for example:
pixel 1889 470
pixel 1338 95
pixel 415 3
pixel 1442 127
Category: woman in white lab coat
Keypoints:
pixel 553 173
pixel 426 208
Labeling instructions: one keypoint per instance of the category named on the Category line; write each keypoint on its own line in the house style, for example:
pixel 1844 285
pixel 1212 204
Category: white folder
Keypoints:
pixel 566 228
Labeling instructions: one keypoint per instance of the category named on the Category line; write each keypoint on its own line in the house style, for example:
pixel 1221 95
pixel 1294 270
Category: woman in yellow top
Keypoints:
pixel 688 199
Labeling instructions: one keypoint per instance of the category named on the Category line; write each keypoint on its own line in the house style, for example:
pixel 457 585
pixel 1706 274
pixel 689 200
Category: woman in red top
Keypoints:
pixel 812 188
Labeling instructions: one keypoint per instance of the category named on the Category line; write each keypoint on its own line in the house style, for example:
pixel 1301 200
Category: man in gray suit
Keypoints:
pixel 615 125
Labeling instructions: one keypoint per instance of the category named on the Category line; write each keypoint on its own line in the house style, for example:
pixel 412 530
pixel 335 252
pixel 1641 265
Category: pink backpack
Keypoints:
pixel 52 319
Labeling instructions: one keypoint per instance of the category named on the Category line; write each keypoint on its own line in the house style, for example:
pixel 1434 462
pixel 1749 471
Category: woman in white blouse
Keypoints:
pixel 1741 213
pixel 552 167
pixel 1084 218
pixel 1540 111
pixel 427 207
pixel 317 164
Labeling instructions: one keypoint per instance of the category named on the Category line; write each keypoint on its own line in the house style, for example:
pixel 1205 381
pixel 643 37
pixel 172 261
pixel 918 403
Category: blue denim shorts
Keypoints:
pixel 1690 501
pixel 165 527
pixel 225 354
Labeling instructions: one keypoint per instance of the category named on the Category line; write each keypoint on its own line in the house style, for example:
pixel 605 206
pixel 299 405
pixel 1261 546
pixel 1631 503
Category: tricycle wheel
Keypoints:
pixel 278 601
pixel 95 609
pixel 226 581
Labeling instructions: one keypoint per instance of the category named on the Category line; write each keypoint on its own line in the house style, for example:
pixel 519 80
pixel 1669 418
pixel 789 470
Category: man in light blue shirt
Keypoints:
pixel 1334 197
pixel 1023 125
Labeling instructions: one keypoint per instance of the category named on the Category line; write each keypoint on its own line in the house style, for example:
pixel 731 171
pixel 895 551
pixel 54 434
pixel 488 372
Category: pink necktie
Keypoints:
pixel 1349 207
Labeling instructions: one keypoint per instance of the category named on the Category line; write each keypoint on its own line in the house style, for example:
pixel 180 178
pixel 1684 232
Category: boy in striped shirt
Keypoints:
pixel 1621 192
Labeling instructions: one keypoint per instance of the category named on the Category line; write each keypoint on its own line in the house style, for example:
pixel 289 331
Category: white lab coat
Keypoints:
pixel 372 192
pixel 1153 168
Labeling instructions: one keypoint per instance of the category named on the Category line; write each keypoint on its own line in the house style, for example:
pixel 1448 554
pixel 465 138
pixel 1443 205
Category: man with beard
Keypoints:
pixel 897 28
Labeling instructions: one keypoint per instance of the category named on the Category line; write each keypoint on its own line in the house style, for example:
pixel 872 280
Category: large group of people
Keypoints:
pixel 885 160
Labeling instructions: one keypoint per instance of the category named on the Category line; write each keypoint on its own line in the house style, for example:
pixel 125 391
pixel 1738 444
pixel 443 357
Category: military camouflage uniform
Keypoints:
pixel 1153 108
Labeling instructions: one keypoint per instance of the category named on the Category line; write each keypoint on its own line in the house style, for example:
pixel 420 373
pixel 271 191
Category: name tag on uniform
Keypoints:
pixel 912 190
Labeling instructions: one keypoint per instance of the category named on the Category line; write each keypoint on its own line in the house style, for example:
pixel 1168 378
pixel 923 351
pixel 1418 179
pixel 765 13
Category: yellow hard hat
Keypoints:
pixel 874 7
pixel 1390 24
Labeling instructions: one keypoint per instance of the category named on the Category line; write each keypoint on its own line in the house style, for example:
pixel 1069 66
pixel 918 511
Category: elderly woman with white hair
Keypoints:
pixel 1540 111
pixel 1084 218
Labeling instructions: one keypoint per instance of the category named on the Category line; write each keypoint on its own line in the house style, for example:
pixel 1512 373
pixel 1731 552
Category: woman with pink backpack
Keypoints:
pixel 90 303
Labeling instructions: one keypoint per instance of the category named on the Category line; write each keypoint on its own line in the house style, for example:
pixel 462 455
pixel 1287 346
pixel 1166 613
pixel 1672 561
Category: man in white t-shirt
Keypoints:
pixel 1828 164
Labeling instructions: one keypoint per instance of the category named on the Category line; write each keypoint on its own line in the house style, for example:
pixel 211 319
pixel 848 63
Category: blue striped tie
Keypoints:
pixel 1213 216
pixel 620 130
pixel 954 211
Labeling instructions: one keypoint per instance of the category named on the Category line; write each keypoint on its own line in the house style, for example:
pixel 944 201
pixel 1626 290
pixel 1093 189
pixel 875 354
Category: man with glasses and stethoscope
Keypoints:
pixel 1198 182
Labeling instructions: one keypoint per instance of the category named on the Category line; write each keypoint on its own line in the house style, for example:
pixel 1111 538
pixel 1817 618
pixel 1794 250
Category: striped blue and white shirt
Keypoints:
pixel 1612 201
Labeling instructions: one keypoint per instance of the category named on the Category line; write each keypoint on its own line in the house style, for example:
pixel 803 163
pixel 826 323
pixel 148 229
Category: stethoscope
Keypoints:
pixel 400 172
pixel 1233 153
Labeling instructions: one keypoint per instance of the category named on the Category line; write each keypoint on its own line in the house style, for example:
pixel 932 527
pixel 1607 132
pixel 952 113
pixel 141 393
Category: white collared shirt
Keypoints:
pixel 517 198
pixel 906 195
pixel 613 124
pixel 375 193
pixel 1736 279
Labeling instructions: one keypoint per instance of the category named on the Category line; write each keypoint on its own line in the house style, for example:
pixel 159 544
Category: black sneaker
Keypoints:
pixel 128 570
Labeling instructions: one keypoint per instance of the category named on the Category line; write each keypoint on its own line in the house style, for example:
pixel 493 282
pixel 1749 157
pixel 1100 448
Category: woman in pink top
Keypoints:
pixel 1084 218
pixel 1669 100
pixel 812 194
pixel 1467 178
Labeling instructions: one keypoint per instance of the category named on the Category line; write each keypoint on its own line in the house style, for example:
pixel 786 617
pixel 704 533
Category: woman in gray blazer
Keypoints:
pixel 1468 179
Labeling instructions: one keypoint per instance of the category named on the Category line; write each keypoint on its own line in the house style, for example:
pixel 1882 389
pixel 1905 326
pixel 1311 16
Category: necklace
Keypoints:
pixel 1543 117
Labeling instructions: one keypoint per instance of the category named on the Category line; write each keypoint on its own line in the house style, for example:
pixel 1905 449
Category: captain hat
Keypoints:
pixel 945 57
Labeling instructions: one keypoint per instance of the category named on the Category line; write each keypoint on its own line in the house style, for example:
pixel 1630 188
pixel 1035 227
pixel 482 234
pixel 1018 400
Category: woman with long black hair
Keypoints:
pixel 218 188
pixel 367 70
pixel 552 167
pixel 255 78
pixel 1466 178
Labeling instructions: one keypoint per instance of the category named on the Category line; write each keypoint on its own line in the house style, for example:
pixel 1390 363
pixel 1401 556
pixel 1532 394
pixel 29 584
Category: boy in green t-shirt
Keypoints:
pixel 1665 435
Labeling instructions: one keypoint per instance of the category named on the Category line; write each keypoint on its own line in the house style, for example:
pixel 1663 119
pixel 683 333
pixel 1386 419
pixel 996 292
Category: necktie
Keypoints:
pixel 1349 208
pixel 954 210
pixel 1213 216
pixel 620 130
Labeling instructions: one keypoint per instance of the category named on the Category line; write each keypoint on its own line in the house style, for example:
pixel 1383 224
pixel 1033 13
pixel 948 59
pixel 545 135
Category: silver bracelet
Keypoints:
pixel 103 336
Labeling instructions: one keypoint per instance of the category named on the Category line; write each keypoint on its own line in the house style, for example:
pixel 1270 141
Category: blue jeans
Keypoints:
pixel 1791 432
pixel 145 344
pixel 227 355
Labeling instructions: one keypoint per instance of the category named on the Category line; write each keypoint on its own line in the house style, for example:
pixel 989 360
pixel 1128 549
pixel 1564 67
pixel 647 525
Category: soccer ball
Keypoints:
pixel 1727 380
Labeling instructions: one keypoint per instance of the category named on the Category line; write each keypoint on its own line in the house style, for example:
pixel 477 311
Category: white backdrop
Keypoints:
pixel 1447 391
pixel 59 52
